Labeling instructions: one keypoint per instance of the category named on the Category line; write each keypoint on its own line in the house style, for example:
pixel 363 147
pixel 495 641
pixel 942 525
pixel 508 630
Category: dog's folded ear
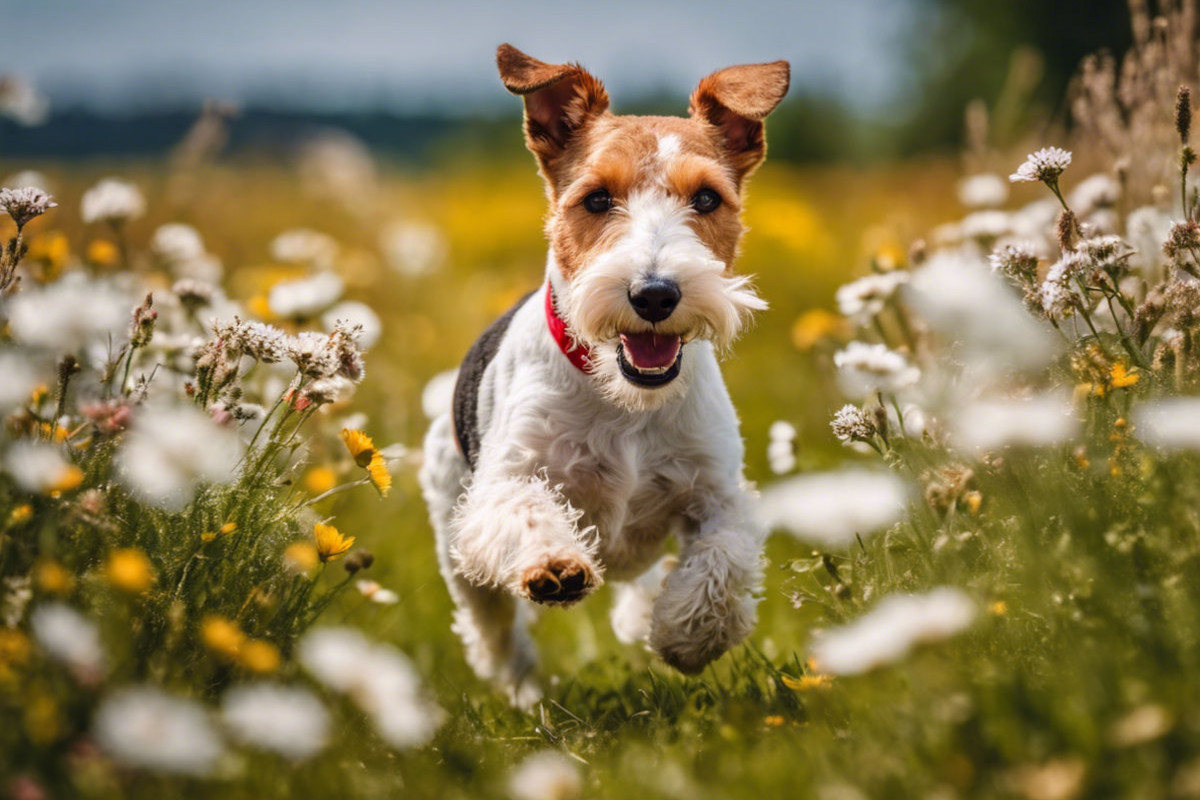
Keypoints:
pixel 560 99
pixel 735 101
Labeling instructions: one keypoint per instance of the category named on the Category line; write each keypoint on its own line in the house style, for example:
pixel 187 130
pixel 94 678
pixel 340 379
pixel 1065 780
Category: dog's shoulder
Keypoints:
pixel 470 376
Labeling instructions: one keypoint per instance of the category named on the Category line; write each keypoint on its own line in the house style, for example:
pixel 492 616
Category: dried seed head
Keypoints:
pixel 1066 229
pixel 1183 114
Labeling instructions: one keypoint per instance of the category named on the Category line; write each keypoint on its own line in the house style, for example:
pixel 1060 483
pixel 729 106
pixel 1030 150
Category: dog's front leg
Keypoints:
pixel 708 603
pixel 518 533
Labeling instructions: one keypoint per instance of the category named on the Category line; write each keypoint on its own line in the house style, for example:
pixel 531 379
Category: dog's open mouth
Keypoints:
pixel 649 359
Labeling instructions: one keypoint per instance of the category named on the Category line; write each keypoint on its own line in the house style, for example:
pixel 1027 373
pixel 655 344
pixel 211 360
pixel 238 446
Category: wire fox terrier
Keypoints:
pixel 591 421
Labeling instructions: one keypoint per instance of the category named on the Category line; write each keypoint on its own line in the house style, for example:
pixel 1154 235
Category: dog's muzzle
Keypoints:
pixel 649 360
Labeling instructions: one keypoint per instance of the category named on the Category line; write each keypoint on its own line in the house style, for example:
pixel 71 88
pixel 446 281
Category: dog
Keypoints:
pixel 591 422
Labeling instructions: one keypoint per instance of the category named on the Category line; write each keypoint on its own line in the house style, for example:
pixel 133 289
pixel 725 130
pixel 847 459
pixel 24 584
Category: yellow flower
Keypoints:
pixel 102 253
pixel 53 577
pixel 260 306
pixel 331 544
pixel 15 649
pixel 381 479
pixel 130 571
pixel 222 636
pixel 228 527
pixel 53 250
pixel 774 721
pixel 20 514
pixel 259 656
pixel 974 501
pixel 70 477
pixel 807 683
pixel 1123 378
pixel 998 608
pixel 361 448
pixel 816 324
pixel 300 557
pixel 320 480
pixel 54 432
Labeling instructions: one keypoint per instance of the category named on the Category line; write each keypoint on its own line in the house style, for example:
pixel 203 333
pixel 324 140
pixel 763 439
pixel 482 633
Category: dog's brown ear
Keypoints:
pixel 560 99
pixel 735 101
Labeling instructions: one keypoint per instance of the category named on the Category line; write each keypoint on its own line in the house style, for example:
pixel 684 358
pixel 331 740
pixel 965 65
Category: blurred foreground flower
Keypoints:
pixel 69 637
pixel 147 728
pixel 888 632
pixel 548 775
pixel 865 369
pixel 829 509
pixel 378 677
pixel 1172 423
pixel 286 720
pixel 113 201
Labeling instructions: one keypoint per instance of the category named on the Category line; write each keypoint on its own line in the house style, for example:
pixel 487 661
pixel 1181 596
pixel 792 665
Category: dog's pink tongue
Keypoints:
pixel 650 350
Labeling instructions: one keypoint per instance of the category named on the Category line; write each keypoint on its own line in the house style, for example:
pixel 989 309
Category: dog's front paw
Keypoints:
pixel 559 581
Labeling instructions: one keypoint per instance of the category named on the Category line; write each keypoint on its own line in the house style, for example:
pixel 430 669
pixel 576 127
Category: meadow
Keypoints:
pixel 982 580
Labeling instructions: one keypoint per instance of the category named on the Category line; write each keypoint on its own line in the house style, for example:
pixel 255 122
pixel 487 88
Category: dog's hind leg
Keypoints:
pixel 493 628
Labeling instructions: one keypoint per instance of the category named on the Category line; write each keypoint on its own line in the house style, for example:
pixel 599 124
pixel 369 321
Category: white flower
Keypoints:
pixel 863 299
pixel 851 424
pixel 781 449
pixel 378 677
pixel 20 101
pixel 68 636
pixel 20 379
pixel 38 467
pixel 1035 222
pixel 28 177
pixel 413 248
pixel 355 313
pixel 864 369
pixel 438 394
pixel 25 204
pixel 1094 193
pixel 172 449
pixel 304 246
pixel 1171 423
pixel 1045 165
pixel 112 200
pixel 376 593
pixel 287 720
pixel 961 299
pixel 1147 228
pixel 548 775
pixel 146 728
pixel 888 632
pixel 305 297
pixel 983 191
pixel 68 314
pixel 828 509
pixel 1037 421
pixel 986 225
pixel 177 241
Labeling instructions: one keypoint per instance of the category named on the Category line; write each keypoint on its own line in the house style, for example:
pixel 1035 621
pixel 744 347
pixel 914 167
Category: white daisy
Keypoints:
pixel 1045 165
pixel 284 719
pixel 112 200
pixel 829 509
pixel 144 727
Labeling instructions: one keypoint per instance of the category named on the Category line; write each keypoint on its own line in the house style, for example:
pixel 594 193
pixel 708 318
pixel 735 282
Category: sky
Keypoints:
pixel 120 55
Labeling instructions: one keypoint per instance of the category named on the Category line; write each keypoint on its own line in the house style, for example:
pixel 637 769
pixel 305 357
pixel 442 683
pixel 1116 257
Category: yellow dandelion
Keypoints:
pixel 208 536
pixel 806 683
pixel 20 514
pixel 320 480
pixel 69 478
pixel 130 571
pixel 331 544
pixel 998 608
pixel 228 528
pixel 259 656
pixel 377 470
pixel 222 636
pixel 300 558
pixel 53 577
pixel 52 250
pixel 1121 377
pixel 102 253
pixel 361 448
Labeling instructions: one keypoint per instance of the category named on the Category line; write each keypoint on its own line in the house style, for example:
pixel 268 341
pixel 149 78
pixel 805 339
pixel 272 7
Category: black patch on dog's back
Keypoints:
pixel 470 375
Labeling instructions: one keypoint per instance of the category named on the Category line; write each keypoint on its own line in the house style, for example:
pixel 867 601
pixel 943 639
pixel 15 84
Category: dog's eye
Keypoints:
pixel 706 200
pixel 598 201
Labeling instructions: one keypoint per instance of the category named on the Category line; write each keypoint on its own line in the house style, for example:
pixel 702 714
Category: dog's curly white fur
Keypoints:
pixel 577 475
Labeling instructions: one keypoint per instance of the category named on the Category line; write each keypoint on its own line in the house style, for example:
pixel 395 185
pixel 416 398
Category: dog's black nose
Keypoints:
pixel 656 299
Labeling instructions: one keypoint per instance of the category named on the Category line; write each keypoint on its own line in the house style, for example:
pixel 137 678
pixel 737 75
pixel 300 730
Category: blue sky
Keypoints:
pixel 117 54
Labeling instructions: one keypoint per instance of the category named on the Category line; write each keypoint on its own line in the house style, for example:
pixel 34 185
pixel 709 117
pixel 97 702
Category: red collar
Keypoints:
pixel 578 354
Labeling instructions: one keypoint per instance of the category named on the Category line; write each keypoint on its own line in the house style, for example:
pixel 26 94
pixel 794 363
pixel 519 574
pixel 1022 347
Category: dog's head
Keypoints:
pixel 644 219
